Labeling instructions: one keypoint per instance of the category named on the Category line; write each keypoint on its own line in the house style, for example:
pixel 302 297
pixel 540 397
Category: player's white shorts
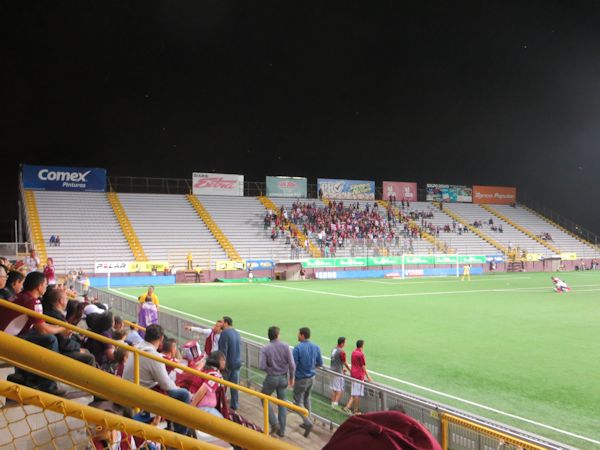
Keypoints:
pixel 358 389
pixel 337 384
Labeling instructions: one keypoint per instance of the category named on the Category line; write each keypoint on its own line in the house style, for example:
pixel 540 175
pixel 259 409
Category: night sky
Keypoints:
pixel 498 93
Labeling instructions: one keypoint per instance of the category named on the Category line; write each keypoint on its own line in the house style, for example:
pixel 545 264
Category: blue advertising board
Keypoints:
pixel 347 189
pixel 52 178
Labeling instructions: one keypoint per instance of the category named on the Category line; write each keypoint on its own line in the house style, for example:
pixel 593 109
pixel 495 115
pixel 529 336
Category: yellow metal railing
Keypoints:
pixel 126 227
pixel 230 250
pixel 523 230
pixel 53 365
pixel 312 248
pixel 139 353
pixel 37 236
pixel 99 419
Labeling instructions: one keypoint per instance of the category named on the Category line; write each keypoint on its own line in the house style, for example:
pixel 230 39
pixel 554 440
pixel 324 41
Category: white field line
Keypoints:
pixel 335 294
pixel 397 282
pixel 417 386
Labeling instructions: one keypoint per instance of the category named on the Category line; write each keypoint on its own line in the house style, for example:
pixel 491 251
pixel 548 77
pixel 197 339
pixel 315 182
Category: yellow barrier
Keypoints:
pixel 50 364
pixel 37 236
pixel 101 419
pixel 137 353
pixel 134 325
pixel 126 227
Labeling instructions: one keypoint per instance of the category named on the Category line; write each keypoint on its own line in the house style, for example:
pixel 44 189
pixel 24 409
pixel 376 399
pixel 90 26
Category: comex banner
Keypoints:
pixel 401 191
pixel 286 187
pixel 52 178
pixel 347 189
pixel 494 194
pixel 449 193
pixel 217 184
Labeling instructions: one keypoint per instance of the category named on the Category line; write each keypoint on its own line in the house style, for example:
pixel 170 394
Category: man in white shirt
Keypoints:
pixel 213 334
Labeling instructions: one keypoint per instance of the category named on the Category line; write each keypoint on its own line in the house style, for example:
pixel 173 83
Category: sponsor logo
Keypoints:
pixel 215 182
pixel 54 175
pixel 287 184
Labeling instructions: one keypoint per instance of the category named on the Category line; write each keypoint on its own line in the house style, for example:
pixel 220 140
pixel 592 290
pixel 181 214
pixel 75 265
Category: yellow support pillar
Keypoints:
pixel 37 236
pixel 126 227
pixel 312 249
pixel 230 250
pixel 523 230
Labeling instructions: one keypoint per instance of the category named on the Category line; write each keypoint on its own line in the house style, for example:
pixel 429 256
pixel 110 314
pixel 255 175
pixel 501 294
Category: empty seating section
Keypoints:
pixel 509 238
pixel 538 226
pixel 169 228
pixel 242 220
pixel 87 227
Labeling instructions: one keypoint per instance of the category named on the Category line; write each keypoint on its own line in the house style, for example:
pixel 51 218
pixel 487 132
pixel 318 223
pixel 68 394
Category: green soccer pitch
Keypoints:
pixel 499 346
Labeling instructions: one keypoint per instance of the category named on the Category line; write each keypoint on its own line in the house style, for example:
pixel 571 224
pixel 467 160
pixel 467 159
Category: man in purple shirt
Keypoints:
pixel 277 361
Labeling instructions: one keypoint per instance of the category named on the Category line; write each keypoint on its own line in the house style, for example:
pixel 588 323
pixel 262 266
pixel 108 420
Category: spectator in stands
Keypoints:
pixel 147 311
pixel 338 365
pixel 49 272
pixel 14 284
pixel 103 352
pixel 307 357
pixel 118 324
pixel 52 240
pixel 206 397
pixel 36 331
pixel 153 374
pixel 119 335
pixel 213 334
pixel 230 344
pixel 277 361
pixel 133 337
pixel 32 261
pixel 169 352
pixel 4 293
pixel 121 357
pixel 55 306
pixel 57 241
pixel 358 372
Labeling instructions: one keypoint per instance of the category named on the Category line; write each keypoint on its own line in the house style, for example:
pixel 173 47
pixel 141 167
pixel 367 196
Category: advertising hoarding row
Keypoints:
pixel 217 184
pixel 54 178
pixel 449 193
pixel 128 266
pixel 295 187
pixel 320 263
pixel 346 189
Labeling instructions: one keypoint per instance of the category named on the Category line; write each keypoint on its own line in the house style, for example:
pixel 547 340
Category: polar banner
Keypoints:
pixel 111 267
pixel 217 184
pixel 52 178
pixel 286 187
pixel 400 191
pixel 498 195
pixel 347 189
pixel 449 193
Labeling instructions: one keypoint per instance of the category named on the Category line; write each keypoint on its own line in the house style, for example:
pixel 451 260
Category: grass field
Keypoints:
pixel 504 341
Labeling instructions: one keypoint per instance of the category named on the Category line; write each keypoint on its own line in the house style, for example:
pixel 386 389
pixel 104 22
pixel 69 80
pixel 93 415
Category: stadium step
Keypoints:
pixel 474 230
pixel 520 228
pixel 556 225
pixel 230 250
pixel 269 205
pixel 128 231
pixel 437 243
pixel 35 228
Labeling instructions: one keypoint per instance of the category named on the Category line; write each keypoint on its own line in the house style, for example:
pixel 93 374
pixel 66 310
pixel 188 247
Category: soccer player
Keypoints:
pixel 560 286
pixel 466 272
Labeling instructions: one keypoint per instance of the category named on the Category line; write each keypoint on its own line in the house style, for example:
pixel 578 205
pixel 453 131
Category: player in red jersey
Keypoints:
pixel 559 285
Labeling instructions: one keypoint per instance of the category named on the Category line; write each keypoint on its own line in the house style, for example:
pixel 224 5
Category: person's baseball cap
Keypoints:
pixel 387 430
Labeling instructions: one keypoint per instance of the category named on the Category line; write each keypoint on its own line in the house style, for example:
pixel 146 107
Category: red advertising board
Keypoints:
pixel 494 194
pixel 402 190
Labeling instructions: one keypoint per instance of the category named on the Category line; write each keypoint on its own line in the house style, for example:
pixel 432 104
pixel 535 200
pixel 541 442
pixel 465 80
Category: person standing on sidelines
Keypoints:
pixel 466 272
pixel 213 334
pixel 277 361
pixel 307 357
pixel 339 365
pixel 230 344
pixel 359 372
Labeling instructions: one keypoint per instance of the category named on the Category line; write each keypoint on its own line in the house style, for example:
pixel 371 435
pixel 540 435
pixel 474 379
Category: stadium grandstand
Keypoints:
pixel 99 244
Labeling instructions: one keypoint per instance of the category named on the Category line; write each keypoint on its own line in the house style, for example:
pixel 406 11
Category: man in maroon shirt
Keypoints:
pixel 36 331
pixel 358 372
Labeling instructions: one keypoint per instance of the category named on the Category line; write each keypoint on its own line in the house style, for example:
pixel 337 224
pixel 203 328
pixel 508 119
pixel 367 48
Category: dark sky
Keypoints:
pixel 504 93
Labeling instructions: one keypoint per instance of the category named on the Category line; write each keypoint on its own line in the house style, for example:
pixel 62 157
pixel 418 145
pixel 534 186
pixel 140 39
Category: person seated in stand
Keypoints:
pixel 121 357
pixel 133 337
pixel 34 330
pixel 14 283
pixel 207 396
pixel 169 352
pixel 119 335
pixel 55 305
pixel 104 353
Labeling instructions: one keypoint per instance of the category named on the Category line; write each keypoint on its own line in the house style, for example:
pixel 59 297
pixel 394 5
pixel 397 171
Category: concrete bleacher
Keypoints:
pixel 169 228
pixel 242 221
pixel 87 226
pixel 510 237
pixel 536 225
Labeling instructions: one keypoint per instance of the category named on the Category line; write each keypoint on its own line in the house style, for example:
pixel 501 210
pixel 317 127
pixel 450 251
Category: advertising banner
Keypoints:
pixel 384 260
pixel 401 190
pixel 111 266
pixel 347 189
pixel 286 187
pixel 445 259
pixel 419 259
pixel 568 256
pixel 52 178
pixel 230 265
pixel 217 184
pixel 260 264
pixel 495 258
pixel 449 193
pixel 472 259
pixel 147 266
pixel 533 256
pixel 392 261
pixel 494 194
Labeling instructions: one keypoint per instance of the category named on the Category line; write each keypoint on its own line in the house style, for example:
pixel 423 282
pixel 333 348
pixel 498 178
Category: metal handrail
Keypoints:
pixel 137 353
